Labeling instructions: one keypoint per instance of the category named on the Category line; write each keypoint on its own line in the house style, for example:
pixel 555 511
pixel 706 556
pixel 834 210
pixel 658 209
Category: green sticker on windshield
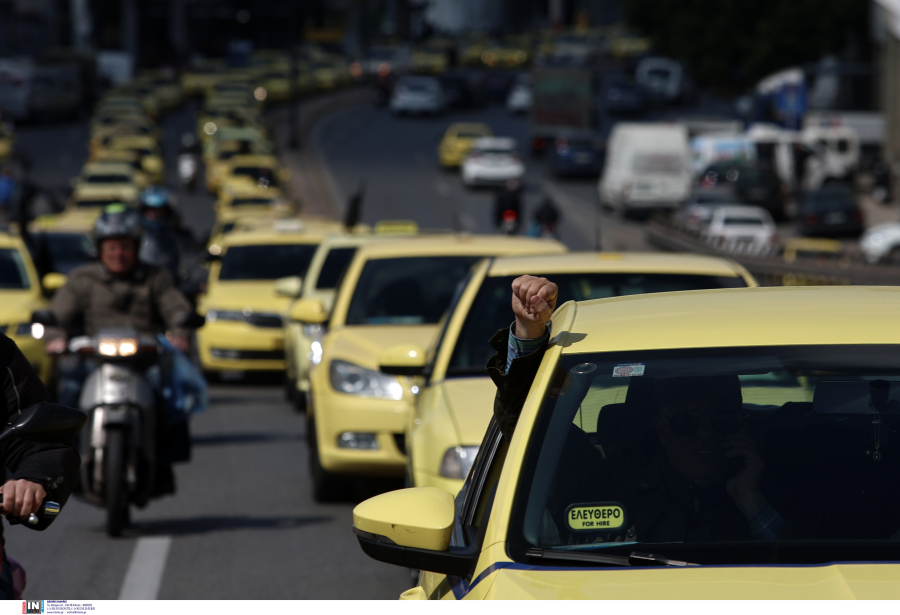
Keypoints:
pixel 601 517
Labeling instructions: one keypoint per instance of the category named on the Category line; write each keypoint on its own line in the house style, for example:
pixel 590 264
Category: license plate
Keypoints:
pixel 835 217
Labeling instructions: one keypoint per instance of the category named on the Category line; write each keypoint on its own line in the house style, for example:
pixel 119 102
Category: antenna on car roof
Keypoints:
pixel 354 207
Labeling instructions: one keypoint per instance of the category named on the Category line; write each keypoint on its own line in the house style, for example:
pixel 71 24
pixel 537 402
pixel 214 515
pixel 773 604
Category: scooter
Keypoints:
pixel 43 422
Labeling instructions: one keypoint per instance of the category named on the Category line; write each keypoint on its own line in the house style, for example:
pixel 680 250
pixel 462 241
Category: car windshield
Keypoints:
pixel 753 455
pixel 13 274
pixel 266 262
pixel 659 164
pixel 829 201
pixel 490 311
pixel 65 251
pixel 406 291
pixel 742 221
pixel 334 266
pixel 257 173
pixel 252 201
pixel 96 202
pixel 107 178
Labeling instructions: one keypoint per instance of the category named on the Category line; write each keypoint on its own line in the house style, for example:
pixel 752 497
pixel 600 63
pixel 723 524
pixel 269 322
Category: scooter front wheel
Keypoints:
pixel 116 485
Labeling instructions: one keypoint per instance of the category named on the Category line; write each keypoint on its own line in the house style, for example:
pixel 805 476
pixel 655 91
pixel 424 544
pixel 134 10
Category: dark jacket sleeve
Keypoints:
pixel 67 306
pixel 512 386
pixel 173 306
pixel 54 466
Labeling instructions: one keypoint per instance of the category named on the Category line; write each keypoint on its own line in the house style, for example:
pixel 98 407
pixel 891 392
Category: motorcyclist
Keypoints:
pixel 119 291
pixel 508 199
pixel 165 244
pixel 35 472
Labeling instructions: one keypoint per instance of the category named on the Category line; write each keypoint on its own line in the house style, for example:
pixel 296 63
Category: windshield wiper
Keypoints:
pixel 635 559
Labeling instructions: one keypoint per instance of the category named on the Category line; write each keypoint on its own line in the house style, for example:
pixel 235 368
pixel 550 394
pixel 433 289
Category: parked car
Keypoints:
pixel 666 79
pixel 832 210
pixel 752 184
pixel 577 153
pixel 416 94
pixel 492 161
pixel 698 211
pixel 742 228
pixel 881 243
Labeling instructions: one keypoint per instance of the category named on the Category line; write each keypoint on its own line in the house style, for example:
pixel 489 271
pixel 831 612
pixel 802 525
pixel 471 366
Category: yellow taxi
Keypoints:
pixel 166 89
pixel 250 200
pixel 114 179
pixel 232 220
pixel 201 76
pixel 252 169
pixel 214 118
pixel 60 243
pixel 509 55
pixel 458 140
pixel 430 60
pixel 454 407
pixel 392 295
pixel 103 134
pixel 243 330
pixel 7 143
pixel 301 345
pixel 20 296
pixel 472 48
pixel 151 158
pixel 276 82
pixel 652 458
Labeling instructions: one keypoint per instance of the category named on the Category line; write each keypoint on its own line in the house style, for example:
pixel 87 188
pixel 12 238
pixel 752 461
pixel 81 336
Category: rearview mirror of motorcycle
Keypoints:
pixel 44 317
pixel 193 321
pixel 46 423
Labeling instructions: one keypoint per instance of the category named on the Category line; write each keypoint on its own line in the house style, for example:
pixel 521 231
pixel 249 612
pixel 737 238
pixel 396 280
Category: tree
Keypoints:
pixel 732 42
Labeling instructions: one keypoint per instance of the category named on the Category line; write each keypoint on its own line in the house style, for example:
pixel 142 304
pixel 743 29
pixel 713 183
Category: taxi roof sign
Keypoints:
pixel 396 227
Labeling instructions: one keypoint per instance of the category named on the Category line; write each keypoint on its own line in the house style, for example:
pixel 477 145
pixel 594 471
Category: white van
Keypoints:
pixel 648 166
pixel 665 78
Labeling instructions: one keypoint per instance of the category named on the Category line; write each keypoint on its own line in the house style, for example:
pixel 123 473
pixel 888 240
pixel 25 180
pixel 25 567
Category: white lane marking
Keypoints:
pixel 145 571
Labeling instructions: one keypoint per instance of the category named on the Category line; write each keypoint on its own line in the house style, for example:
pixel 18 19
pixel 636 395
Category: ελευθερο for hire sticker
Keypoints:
pixel 601 517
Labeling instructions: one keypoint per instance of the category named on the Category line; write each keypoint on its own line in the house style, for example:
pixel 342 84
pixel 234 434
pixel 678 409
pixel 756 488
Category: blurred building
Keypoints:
pixel 885 33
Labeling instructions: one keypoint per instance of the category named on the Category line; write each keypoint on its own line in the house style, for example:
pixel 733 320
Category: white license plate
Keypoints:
pixel 835 217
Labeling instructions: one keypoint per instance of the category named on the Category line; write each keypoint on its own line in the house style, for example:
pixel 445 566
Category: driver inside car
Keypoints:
pixel 702 483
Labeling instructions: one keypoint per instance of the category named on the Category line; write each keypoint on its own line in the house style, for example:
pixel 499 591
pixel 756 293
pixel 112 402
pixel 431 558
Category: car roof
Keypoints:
pixel 763 316
pixel 253 160
pixel 614 262
pixel 494 142
pixel 290 230
pixel 462 244
pixel 108 167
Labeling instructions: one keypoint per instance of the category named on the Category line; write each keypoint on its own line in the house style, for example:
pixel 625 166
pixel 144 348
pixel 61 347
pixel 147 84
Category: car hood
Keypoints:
pixel 363 344
pixel 16 307
pixel 841 581
pixel 471 404
pixel 257 295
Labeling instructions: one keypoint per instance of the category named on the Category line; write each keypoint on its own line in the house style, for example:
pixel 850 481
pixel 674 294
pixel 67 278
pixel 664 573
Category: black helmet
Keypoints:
pixel 117 221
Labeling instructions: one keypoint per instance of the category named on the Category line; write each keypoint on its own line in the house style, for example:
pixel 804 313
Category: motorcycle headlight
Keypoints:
pixel 35 330
pixel 355 380
pixel 458 461
pixel 232 315
pixel 311 331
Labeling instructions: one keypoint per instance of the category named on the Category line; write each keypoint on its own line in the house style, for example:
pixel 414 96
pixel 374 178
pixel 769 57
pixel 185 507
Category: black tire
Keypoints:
pixel 327 487
pixel 116 496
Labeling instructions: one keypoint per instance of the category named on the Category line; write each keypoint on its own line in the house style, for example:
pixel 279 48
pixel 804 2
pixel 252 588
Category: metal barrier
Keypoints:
pixel 772 269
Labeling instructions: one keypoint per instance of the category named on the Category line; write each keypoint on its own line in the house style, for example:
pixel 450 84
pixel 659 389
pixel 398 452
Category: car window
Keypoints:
pixel 661 164
pixel 95 202
pixel 266 262
pixel 108 178
pixel 333 268
pixel 653 431
pixel 13 274
pixel 742 221
pixel 415 290
pixel 490 310
pixel 252 201
pixel 257 173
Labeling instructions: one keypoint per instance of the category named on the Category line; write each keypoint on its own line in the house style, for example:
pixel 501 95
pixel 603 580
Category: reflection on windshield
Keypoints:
pixel 12 270
pixel 266 262
pixel 704 446
pixel 490 311
pixel 406 290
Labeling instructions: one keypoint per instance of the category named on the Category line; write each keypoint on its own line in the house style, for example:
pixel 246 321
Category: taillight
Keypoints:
pixel 811 219
pixel 510 215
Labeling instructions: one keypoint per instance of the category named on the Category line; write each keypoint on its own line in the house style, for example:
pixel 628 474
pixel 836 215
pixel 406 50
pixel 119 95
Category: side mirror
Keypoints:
pixel 52 282
pixel 289 287
pixel 403 360
pixel 46 423
pixel 412 527
pixel 311 311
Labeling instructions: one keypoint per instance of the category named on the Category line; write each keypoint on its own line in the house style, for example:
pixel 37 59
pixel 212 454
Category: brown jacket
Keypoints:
pixel 147 300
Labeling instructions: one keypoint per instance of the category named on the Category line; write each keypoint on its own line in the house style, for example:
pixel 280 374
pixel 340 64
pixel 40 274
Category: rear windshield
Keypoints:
pixel 334 266
pixel 252 201
pixel 659 164
pixel 490 311
pixel 12 270
pixel 257 173
pixel 65 251
pixel 108 178
pixel 96 202
pixel 743 221
pixel 266 262
pixel 406 291
pixel 826 201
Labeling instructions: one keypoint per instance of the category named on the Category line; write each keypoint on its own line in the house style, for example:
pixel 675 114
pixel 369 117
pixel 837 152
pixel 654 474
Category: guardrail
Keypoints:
pixel 773 269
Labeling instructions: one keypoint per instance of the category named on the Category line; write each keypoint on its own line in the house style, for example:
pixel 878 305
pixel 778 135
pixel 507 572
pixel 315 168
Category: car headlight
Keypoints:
pixel 232 315
pixel 355 380
pixel 458 461
pixel 35 330
pixel 311 331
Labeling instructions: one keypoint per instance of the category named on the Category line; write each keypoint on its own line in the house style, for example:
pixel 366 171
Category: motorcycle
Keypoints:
pixel 43 422
pixel 509 222
pixel 187 171
pixel 128 426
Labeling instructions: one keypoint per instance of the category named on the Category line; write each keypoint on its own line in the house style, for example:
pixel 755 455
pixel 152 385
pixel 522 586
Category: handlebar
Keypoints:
pixel 47 510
